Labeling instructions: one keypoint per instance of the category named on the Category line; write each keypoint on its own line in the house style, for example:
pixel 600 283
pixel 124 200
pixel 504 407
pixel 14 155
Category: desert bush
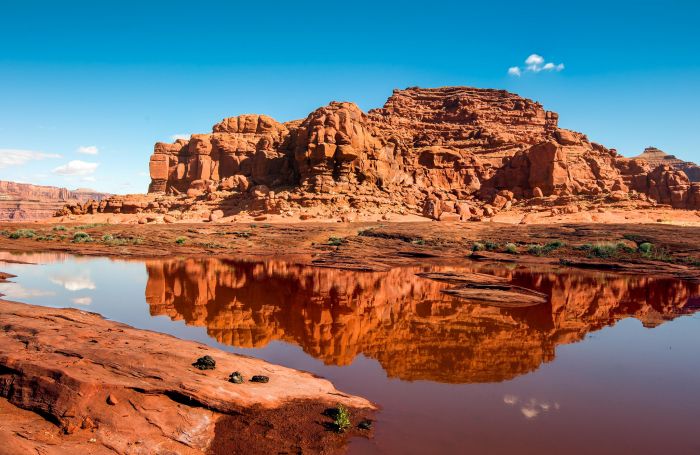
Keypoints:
pixel 478 246
pixel 510 248
pixel 23 234
pixel 107 238
pixel 335 241
pixel 646 248
pixel 180 240
pixel 81 237
pixel 59 228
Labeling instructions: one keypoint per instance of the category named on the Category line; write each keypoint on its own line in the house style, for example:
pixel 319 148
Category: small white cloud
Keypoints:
pixel 76 167
pixel 75 283
pixel 529 412
pixel 82 300
pixel 89 178
pixel 510 399
pixel 534 64
pixel 175 137
pixel 16 157
pixel 16 291
pixel 88 149
pixel 534 61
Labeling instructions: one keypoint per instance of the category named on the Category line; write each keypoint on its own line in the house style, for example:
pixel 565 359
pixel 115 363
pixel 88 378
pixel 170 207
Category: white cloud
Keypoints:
pixel 89 178
pixel 15 157
pixel 16 291
pixel 175 137
pixel 534 64
pixel 82 300
pixel 534 61
pixel 76 167
pixel 88 149
pixel 75 283
pixel 532 407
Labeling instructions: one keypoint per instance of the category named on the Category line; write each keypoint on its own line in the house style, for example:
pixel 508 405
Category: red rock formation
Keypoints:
pixel 443 152
pixel 408 324
pixel 655 158
pixel 22 201
pixel 105 387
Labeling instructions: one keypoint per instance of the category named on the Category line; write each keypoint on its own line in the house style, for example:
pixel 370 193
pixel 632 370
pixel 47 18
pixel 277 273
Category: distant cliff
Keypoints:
pixel 656 157
pixel 23 201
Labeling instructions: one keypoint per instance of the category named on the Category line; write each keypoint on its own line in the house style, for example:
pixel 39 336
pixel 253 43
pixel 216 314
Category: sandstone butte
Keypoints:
pixel 24 202
pixel 98 380
pixel 451 153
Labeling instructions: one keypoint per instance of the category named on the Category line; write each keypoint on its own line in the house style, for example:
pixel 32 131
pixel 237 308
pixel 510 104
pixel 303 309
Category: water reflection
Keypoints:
pixel 406 323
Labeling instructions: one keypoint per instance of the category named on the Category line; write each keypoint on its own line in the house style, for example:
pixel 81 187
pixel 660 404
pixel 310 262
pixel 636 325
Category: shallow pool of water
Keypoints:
pixel 609 364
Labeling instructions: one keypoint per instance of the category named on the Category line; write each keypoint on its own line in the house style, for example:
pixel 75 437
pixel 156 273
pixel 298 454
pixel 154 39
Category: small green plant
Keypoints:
pixel 510 248
pixel 180 240
pixel 418 242
pixel 543 250
pixel 491 246
pixel 89 226
pixel 81 237
pixel 646 248
pixel 23 234
pixel 342 419
pixel 60 228
pixel 107 238
pixel 605 250
pixel 478 246
pixel 335 241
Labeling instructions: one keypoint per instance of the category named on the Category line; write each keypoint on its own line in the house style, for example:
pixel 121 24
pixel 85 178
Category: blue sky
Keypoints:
pixel 115 77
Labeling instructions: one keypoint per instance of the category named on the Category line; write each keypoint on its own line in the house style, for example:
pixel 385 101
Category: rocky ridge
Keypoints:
pixel 451 153
pixel 656 157
pixel 23 201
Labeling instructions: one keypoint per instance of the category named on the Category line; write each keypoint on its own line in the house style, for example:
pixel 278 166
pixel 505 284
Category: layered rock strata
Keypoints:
pixel 656 157
pixel 445 153
pixel 24 202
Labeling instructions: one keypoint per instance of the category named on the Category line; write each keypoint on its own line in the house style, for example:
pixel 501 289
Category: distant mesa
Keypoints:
pixel 656 157
pixel 26 202
pixel 450 153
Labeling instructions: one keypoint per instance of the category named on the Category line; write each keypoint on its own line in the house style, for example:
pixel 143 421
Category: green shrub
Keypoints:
pixel 60 228
pixel 542 250
pixel 510 248
pixel 107 238
pixel 491 246
pixel 606 249
pixel 335 241
pixel 81 237
pixel 478 246
pixel 180 240
pixel 23 234
pixel 342 419
pixel 646 248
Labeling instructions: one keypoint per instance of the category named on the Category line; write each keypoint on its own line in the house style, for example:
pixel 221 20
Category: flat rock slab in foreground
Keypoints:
pixel 106 387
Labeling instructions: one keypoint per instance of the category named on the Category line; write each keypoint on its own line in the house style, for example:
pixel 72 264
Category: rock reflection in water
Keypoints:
pixel 415 331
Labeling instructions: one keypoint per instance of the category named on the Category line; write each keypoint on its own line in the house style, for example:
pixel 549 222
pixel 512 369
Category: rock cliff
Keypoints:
pixel 22 201
pixel 445 153
pixel 656 158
